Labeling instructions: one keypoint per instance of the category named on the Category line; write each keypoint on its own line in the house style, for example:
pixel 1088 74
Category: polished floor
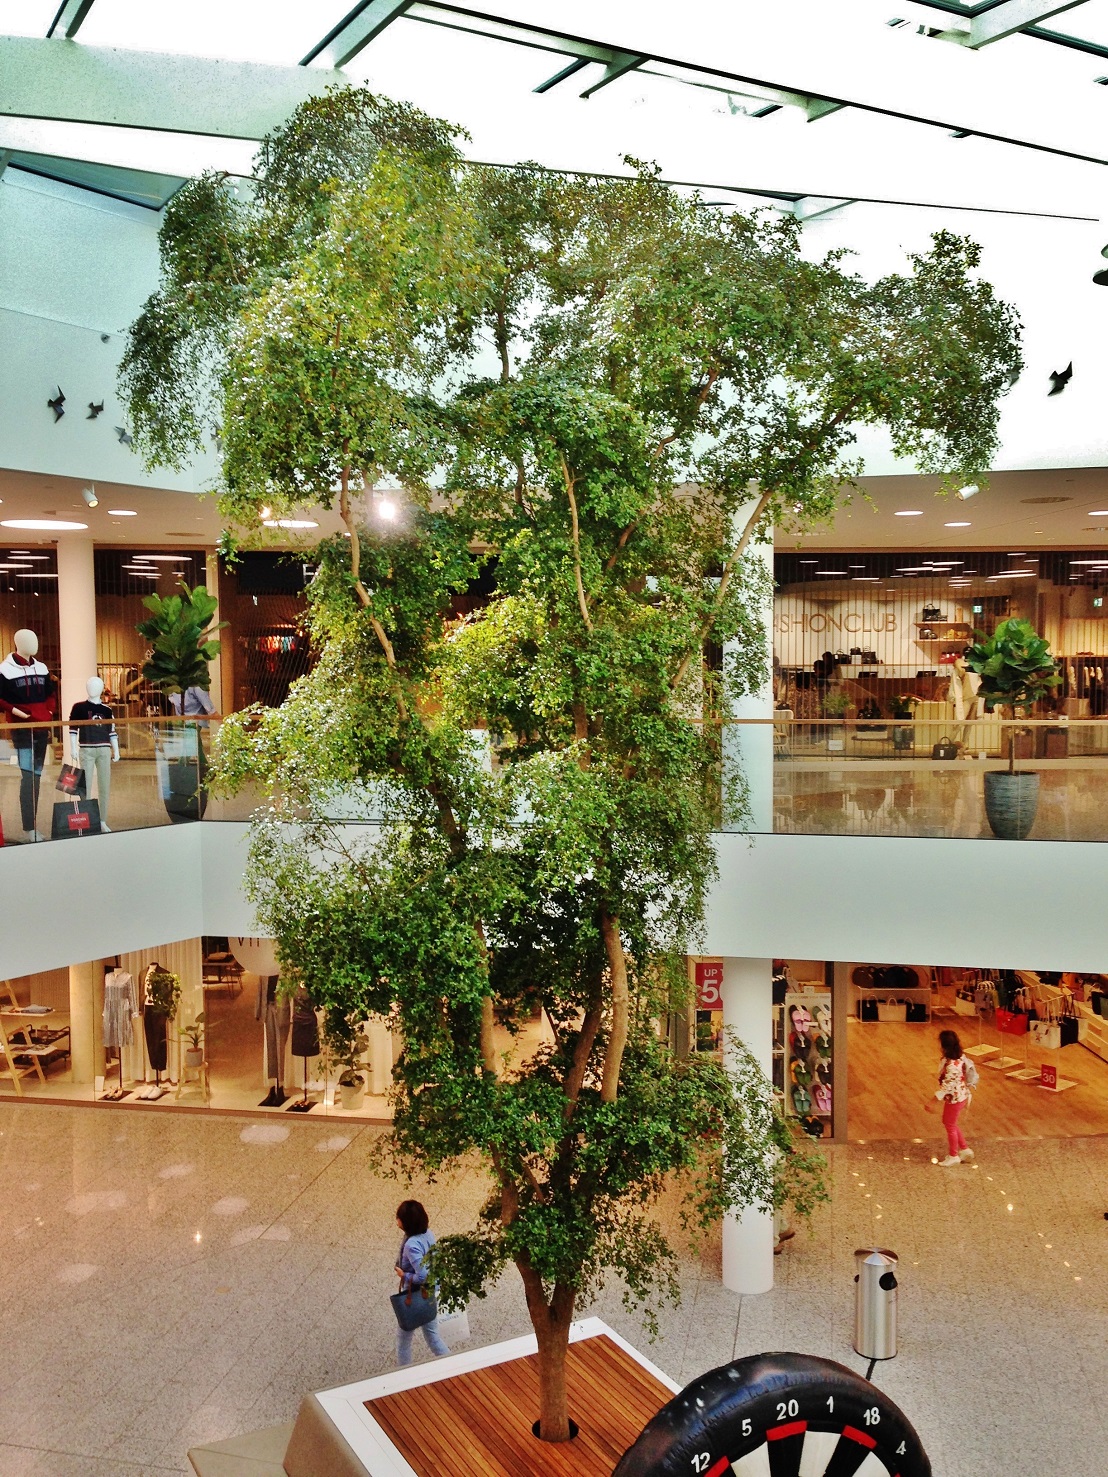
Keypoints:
pixel 172 1280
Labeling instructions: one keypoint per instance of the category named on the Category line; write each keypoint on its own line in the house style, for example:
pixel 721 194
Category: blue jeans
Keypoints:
pixel 31 751
pixel 430 1332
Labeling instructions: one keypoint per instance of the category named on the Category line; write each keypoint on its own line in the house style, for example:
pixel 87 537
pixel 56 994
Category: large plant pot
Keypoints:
pixel 350 1097
pixel 1011 801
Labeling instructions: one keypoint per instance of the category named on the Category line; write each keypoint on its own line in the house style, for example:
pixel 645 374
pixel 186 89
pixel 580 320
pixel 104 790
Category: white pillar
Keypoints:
pixel 76 619
pixel 751 748
pixel 216 669
pixel 82 1021
pixel 748 1009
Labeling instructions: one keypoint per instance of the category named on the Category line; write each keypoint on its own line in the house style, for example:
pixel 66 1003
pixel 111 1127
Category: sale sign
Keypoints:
pixel 1049 1077
pixel 709 983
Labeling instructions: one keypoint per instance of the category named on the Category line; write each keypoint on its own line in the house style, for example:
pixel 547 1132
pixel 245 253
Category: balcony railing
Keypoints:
pixel 871 777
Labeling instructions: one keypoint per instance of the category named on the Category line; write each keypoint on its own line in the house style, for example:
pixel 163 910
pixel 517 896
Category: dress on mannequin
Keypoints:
pixel 94 745
pixel 305 1026
pixel 28 694
pixel 277 1015
pixel 155 1026
pixel 121 1007
pixel 962 696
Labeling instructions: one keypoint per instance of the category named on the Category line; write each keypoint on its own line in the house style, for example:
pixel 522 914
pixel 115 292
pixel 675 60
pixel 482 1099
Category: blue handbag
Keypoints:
pixel 415 1307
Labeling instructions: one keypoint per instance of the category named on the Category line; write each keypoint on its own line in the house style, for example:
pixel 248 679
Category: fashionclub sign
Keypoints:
pixel 805 626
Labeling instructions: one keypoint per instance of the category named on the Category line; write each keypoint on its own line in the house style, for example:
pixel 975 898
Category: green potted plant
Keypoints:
pixel 1016 670
pixel 347 1045
pixel 180 632
pixel 904 708
pixel 194 1033
pixel 836 704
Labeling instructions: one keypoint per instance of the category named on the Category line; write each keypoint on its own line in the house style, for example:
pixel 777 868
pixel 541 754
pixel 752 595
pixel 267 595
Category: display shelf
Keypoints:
pixel 1093 1030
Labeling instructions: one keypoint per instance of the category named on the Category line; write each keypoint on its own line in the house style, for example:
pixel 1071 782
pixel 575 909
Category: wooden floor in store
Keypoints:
pixel 893 1072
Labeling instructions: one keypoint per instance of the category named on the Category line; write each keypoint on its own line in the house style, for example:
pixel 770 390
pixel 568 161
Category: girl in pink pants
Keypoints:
pixel 955 1095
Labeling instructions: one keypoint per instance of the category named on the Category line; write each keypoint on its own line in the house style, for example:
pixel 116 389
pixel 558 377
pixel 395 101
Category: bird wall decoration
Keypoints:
pixel 94 410
pixel 124 435
pixel 1060 379
pixel 57 405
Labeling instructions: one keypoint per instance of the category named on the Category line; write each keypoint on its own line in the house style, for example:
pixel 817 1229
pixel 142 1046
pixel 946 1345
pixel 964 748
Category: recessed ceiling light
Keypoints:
pixel 866 579
pixel 35 574
pixel 161 558
pixel 957 525
pixel 291 522
pixel 49 525
pixel 830 571
pixel 1097 513
pixel 1020 555
pixel 122 513
pixel 32 558
pixel 809 561
pixel 855 566
pixel 909 513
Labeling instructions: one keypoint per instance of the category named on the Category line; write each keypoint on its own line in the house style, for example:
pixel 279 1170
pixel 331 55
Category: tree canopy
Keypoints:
pixel 587 397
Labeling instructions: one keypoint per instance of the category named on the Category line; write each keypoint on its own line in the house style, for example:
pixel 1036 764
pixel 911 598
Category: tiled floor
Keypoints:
pixel 173 1280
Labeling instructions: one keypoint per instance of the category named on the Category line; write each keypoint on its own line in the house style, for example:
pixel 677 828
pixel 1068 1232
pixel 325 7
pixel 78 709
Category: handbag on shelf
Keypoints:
pixel 1047 1034
pixel 892 1011
pixel 1011 1022
pixel 71 780
pixel 75 818
pixel 1068 1028
pixel 917 1011
pixel 867 1008
pixel 946 748
pixel 415 1307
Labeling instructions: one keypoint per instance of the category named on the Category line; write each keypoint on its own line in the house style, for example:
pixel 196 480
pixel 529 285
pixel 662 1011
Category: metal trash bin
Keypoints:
pixel 875 1302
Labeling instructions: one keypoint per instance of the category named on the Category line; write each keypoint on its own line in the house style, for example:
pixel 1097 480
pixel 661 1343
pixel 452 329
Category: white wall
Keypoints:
pixel 986 904
pixel 73 267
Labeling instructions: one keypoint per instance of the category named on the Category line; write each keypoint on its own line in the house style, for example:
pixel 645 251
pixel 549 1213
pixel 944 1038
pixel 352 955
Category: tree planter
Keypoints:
pixel 1011 800
pixel 350 1097
pixel 194 1058
pixel 473 1412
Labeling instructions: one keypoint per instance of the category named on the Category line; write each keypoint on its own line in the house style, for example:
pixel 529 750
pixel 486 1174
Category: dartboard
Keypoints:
pixel 778 1415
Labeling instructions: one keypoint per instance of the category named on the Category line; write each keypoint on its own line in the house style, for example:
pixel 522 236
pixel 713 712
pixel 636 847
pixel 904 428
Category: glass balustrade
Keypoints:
pixel 834 776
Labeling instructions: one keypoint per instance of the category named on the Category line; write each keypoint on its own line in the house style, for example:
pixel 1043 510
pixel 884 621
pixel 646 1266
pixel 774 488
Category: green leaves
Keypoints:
pixel 1014 664
pixel 180 633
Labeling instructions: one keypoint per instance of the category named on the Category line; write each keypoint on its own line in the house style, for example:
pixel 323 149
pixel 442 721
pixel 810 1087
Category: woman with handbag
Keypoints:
pixel 416 1304
pixel 957 1077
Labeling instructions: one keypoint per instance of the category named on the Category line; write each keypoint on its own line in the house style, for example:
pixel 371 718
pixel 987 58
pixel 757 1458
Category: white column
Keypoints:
pixel 748 1009
pixel 211 584
pixel 76 619
pixel 751 748
pixel 82 1021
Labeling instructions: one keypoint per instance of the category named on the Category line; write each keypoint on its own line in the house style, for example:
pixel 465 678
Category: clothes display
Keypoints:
pixel 121 1006
pixel 305 1026
pixel 28 694
pixel 276 1013
pixel 154 1028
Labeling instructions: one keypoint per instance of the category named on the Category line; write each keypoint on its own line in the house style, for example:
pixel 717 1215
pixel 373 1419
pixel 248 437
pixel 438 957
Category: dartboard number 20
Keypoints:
pixel 778 1415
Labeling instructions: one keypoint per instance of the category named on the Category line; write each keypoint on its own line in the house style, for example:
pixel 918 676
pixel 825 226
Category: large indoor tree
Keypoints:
pixel 588 399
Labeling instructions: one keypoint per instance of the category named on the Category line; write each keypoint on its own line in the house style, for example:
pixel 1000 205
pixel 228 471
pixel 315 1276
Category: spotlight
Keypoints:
pixel 90 497
pixel 971 489
pixel 386 510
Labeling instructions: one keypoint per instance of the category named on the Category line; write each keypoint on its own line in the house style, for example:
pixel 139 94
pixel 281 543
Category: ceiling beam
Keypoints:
pixel 621 63
pixel 797 47
pixel 147 90
pixel 1011 17
pixel 356 29
pixel 69 19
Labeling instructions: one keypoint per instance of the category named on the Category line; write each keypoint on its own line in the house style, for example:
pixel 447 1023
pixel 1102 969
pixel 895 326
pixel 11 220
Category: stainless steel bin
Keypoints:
pixel 875 1302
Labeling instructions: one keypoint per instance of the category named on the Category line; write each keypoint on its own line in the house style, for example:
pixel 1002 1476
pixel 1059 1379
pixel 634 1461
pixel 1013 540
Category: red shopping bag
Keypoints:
pixel 1011 1022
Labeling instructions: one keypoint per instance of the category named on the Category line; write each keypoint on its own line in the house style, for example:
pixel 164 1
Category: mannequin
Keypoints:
pixel 28 694
pixel 277 1015
pixel 962 695
pixel 155 1027
pixel 120 1010
pixel 95 746
pixel 305 1040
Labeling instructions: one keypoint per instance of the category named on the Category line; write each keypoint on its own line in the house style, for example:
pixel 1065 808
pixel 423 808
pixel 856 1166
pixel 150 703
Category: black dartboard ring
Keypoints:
pixel 778 1415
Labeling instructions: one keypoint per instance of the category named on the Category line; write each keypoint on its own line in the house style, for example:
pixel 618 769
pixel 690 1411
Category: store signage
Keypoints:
pixel 709 982
pixel 874 622
pixel 1049 1077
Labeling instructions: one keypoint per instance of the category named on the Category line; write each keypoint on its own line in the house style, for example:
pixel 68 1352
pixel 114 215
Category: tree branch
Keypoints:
pixel 617 1040
pixel 581 601
pixel 721 593
pixel 586 1039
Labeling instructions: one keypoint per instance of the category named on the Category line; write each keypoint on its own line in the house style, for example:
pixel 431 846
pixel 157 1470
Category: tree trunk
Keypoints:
pixel 553 1348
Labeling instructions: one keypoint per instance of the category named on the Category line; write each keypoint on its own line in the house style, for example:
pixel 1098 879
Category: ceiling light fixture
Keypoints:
pixel 957 525
pixel 122 513
pixel 971 489
pixel 909 513
pixel 46 525
pixel 1097 513
pixel 89 495
pixel 35 574
pixel 291 523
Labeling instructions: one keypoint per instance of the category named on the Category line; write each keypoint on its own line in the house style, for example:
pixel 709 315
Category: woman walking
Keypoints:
pixel 418 1241
pixel 955 1094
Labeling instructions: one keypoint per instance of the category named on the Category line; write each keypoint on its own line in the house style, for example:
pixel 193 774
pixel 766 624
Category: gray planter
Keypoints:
pixel 1011 801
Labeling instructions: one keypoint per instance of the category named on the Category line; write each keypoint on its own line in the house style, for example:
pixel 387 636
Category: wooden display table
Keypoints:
pixel 471 1414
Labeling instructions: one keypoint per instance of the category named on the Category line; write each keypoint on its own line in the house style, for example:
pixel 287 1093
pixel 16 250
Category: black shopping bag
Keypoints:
pixel 71 780
pixel 75 818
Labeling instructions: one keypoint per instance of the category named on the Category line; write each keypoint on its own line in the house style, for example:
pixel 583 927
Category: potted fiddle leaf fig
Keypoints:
pixel 348 1043
pixel 904 710
pixel 836 704
pixel 1016 670
pixel 180 631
